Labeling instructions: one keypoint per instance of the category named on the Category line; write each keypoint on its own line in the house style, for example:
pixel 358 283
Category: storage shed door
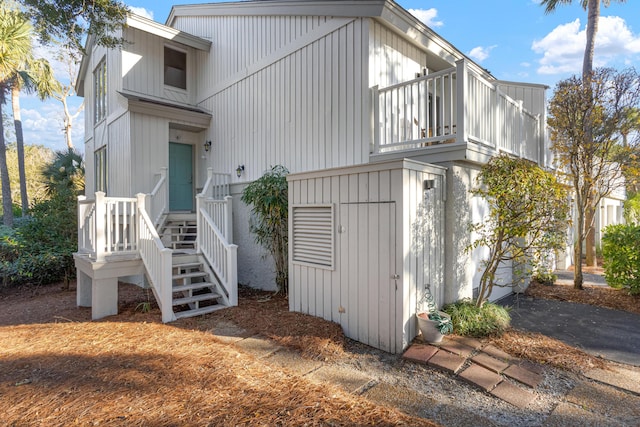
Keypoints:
pixel 368 271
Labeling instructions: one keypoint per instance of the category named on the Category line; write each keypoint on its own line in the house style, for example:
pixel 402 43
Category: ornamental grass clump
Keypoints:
pixel 470 320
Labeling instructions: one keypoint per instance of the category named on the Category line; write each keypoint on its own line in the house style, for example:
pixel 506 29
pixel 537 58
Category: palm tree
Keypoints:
pixel 64 173
pixel 593 15
pixel 36 76
pixel 15 46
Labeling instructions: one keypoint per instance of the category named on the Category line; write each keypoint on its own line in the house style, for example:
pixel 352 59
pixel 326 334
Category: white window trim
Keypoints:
pixel 186 71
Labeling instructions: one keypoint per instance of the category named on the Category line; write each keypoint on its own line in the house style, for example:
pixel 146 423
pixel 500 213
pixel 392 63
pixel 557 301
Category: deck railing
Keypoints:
pixel 213 215
pixel 456 105
pixel 107 226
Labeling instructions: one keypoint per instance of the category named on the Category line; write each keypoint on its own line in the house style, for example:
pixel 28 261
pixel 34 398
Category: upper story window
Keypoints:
pixel 100 162
pixel 100 91
pixel 175 68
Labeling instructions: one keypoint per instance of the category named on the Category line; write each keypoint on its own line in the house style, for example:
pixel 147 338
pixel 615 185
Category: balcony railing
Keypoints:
pixel 456 105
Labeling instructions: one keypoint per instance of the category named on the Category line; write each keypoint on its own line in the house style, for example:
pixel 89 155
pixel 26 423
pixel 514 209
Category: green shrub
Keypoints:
pixel 473 321
pixel 39 249
pixel 621 255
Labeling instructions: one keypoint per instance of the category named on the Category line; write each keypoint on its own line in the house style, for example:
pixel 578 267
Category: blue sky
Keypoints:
pixel 513 39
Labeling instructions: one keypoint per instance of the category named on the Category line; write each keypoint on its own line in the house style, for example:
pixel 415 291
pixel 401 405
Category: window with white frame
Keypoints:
pixel 100 92
pixel 175 68
pixel 100 162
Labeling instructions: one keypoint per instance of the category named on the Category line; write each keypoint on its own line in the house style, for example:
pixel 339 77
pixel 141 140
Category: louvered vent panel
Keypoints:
pixel 313 235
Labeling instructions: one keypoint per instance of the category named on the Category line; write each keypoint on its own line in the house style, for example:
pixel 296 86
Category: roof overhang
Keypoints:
pixel 339 8
pixel 197 118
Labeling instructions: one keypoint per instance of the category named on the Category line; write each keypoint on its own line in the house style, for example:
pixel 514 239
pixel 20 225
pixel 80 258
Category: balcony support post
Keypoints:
pixel 462 109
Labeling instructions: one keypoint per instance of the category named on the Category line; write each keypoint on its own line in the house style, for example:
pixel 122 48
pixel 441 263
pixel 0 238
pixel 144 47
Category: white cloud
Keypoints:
pixel 141 11
pixel 43 126
pixel 427 16
pixel 562 49
pixel 480 53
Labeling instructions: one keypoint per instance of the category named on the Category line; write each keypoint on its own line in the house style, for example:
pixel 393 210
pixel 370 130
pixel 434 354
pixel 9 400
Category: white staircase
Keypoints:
pixel 179 232
pixel 196 290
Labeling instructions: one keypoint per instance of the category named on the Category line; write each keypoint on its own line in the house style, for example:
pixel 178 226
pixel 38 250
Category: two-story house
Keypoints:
pixel 382 123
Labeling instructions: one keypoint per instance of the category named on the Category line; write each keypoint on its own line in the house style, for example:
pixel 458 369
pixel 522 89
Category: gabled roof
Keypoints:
pixel 149 26
pixel 386 11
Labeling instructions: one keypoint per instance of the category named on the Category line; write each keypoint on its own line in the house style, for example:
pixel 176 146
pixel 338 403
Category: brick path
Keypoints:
pixel 483 366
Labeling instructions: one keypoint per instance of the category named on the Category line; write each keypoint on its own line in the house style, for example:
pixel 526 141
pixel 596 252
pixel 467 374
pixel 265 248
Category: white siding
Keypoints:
pixel 284 90
pixel 392 59
pixel 149 150
pixel 119 158
pixel 384 226
pixel 142 67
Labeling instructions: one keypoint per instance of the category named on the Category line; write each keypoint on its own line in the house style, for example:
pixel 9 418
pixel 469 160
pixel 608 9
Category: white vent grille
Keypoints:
pixel 313 235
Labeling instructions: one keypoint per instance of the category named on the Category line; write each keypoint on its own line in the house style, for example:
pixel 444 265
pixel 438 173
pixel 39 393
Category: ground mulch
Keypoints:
pixel 58 368
pixel 603 296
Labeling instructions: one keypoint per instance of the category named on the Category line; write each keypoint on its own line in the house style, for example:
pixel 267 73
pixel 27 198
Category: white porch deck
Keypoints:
pixel 454 106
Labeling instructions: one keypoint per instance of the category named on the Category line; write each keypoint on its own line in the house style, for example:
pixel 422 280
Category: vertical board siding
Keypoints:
pixel 384 226
pixel 142 67
pixel 304 110
pixel 392 59
pixel 119 158
pixel 149 150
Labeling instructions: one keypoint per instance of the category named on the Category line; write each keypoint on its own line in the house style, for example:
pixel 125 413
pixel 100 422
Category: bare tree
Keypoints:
pixel 71 60
pixel 603 100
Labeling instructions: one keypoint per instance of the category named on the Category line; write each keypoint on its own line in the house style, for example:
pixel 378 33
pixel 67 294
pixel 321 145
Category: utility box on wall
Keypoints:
pixel 364 241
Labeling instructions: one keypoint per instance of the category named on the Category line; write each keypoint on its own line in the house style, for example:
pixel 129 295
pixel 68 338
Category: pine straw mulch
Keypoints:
pixel 132 370
pixel 264 313
pixel 603 296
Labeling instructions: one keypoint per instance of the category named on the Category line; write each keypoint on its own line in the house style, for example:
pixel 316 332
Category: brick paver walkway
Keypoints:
pixel 483 366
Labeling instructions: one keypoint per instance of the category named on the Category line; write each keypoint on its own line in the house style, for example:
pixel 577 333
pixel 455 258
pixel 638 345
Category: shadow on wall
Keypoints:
pixel 460 285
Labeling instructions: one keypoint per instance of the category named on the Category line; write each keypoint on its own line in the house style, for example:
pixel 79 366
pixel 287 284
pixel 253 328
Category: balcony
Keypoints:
pixel 454 106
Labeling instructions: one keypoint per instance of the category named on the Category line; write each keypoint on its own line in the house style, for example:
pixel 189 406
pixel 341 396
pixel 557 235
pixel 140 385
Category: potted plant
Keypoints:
pixel 433 324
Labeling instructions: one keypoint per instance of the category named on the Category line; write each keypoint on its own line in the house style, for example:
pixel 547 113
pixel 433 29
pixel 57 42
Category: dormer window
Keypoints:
pixel 175 68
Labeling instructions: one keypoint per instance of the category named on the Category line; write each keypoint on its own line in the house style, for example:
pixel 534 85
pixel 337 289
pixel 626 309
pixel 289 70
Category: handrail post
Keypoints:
pixel 375 122
pixel 232 275
pixel 81 210
pixel 101 225
pixel 228 228
pixel 142 200
pixel 198 223
pixel 462 109
pixel 166 292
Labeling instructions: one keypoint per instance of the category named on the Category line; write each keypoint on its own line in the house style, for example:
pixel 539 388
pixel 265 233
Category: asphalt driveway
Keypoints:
pixel 611 334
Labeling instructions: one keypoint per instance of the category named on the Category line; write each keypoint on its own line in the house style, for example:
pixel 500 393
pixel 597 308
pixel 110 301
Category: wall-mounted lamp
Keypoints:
pixel 207 146
pixel 239 170
pixel 428 184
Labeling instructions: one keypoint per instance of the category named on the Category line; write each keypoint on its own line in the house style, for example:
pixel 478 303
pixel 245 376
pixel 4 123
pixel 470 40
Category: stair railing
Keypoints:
pixel 221 255
pixel 157 261
pixel 157 201
pixel 213 216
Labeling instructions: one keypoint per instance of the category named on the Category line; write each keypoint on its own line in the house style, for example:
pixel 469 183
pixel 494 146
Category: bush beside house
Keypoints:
pixel 620 245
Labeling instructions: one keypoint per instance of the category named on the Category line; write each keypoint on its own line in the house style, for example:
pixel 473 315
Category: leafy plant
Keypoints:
pixel 528 216
pixel 470 320
pixel 620 245
pixel 545 278
pixel 268 197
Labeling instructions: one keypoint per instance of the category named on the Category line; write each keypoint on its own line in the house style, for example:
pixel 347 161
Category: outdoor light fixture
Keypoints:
pixel 428 184
pixel 239 170
pixel 207 146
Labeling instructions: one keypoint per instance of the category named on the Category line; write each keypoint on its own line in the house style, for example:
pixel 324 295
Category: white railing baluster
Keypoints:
pixel 454 105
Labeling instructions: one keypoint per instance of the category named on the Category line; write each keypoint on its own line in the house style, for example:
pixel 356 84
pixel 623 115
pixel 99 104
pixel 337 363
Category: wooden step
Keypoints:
pixel 190 275
pixel 199 311
pixel 186 265
pixel 192 286
pixel 195 298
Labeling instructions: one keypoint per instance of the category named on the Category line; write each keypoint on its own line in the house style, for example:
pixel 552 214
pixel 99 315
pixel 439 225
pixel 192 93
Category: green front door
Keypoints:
pixel 180 177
